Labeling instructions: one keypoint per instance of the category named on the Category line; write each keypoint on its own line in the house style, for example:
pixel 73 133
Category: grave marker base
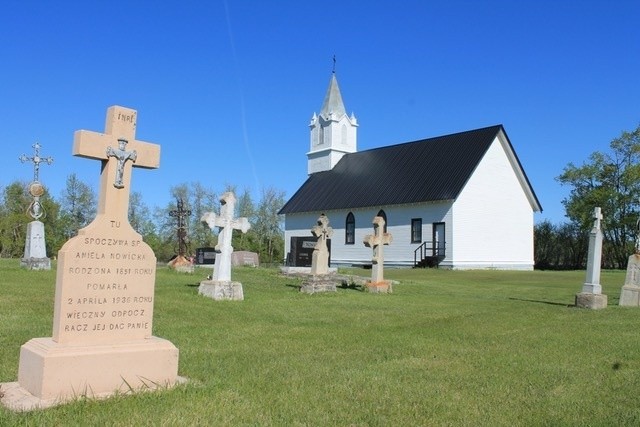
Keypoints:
pixel 590 300
pixel 317 284
pixel 630 296
pixel 221 290
pixel 383 287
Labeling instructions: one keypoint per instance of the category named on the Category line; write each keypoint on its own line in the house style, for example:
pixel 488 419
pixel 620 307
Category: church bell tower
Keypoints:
pixel 333 132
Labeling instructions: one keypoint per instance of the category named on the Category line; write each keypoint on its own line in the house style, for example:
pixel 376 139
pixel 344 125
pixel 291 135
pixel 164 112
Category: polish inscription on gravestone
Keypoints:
pixel 105 282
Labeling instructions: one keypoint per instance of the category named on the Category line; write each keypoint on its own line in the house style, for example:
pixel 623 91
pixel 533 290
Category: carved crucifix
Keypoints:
pixel 377 240
pixel 227 223
pixel 115 179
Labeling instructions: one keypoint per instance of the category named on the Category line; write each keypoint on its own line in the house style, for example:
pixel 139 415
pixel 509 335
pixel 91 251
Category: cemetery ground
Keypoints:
pixel 446 348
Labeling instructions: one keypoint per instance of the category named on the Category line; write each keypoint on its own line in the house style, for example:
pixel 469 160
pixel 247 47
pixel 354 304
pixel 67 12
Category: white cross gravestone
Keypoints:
pixel 591 295
pixel 376 241
pixel 35 250
pixel 220 286
pixel 102 327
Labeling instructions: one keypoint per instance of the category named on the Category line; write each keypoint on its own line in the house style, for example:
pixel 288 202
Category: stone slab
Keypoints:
pixel 318 284
pixel 35 252
pixel 36 263
pixel 244 258
pixel 384 287
pixel 591 300
pixel 52 371
pixel 221 290
pixel 630 296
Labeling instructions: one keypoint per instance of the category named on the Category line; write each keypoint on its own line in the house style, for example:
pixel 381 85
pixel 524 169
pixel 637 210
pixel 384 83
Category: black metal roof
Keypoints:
pixel 427 170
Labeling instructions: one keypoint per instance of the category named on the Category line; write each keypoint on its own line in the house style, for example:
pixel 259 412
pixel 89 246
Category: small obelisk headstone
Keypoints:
pixel 376 241
pixel 591 295
pixel 630 293
pixel 320 280
pixel 181 263
pixel 220 287
pixel 102 325
pixel 35 248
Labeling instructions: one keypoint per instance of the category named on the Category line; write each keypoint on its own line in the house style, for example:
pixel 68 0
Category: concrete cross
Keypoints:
pixel 597 216
pixel 320 256
pixel 377 240
pixel 36 159
pixel 226 223
pixel 115 179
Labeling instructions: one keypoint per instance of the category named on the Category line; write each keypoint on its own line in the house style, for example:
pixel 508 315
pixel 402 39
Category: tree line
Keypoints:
pixel 610 180
pixel 76 207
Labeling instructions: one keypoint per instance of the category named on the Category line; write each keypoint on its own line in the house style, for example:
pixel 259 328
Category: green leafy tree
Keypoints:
pixel 77 206
pixel 612 181
pixel 268 225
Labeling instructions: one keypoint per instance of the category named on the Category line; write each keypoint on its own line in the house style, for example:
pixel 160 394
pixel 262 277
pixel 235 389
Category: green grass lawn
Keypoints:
pixel 490 348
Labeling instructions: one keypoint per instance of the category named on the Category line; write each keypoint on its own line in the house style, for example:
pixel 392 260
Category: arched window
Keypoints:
pixel 350 230
pixel 384 216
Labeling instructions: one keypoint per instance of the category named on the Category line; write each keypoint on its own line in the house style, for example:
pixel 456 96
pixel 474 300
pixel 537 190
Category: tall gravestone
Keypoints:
pixel 220 287
pixel 630 293
pixel 320 280
pixel 102 326
pixel 591 295
pixel 35 248
pixel 376 242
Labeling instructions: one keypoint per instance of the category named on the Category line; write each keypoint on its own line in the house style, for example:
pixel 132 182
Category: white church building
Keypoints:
pixel 460 201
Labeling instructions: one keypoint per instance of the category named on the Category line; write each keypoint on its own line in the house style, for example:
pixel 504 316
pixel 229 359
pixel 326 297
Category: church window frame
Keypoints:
pixel 350 229
pixel 416 230
pixel 383 214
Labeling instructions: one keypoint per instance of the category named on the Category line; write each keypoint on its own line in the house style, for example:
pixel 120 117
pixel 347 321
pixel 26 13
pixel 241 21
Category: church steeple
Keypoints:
pixel 333 132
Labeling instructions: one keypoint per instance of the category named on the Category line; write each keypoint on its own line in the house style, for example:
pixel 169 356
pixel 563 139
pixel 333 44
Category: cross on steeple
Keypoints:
pixel 115 179
pixel 36 159
pixel 377 240
pixel 227 223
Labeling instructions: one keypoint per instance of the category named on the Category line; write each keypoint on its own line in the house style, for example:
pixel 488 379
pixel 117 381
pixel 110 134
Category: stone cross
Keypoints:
pixel 120 130
pixel 320 256
pixel 181 213
pixel 226 223
pixel 377 240
pixel 36 159
pixel 594 256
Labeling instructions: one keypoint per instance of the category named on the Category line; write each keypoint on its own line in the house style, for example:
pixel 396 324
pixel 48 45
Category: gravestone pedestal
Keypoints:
pixel 221 290
pixel 591 300
pixel 630 294
pixel 181 264
pixel 383 287
pixel 317 284
pixel 35 252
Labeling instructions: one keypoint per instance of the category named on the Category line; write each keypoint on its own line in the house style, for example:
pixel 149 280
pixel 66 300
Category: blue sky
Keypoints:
pixel 227 88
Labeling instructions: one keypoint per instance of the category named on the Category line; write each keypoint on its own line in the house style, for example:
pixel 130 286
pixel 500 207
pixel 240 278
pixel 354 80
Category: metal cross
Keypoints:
pixel 181 213
pixel 36 159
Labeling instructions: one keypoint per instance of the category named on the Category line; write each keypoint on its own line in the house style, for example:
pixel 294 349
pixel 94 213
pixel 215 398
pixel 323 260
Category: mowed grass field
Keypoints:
pixel 477 348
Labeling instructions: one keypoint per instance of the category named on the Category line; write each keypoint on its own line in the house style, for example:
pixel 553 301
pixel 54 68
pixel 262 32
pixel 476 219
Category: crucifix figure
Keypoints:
pixel 377 240
pixel 120 128
pixel 181 213
pixel 122 155
pixel 226 223
pixel 36 159
pixel 320 256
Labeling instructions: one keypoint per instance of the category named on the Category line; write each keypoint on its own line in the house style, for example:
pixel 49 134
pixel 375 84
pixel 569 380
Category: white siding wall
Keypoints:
pixel 399 252
pixel 492 218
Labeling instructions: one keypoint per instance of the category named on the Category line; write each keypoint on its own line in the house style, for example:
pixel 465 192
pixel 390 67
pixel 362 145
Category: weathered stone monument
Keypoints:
pixel 245 258
pixel 220 287
pixel 102 326
pixel 591 295
pixel 35 248
pixel 630 293
pixel 320 280
pixel 181 263
pixel 376 241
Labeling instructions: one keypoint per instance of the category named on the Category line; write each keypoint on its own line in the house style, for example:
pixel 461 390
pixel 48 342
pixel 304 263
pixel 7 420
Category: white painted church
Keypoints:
pixel 460 201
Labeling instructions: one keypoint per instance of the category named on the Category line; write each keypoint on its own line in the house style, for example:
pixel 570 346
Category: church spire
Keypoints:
pixel 333 132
